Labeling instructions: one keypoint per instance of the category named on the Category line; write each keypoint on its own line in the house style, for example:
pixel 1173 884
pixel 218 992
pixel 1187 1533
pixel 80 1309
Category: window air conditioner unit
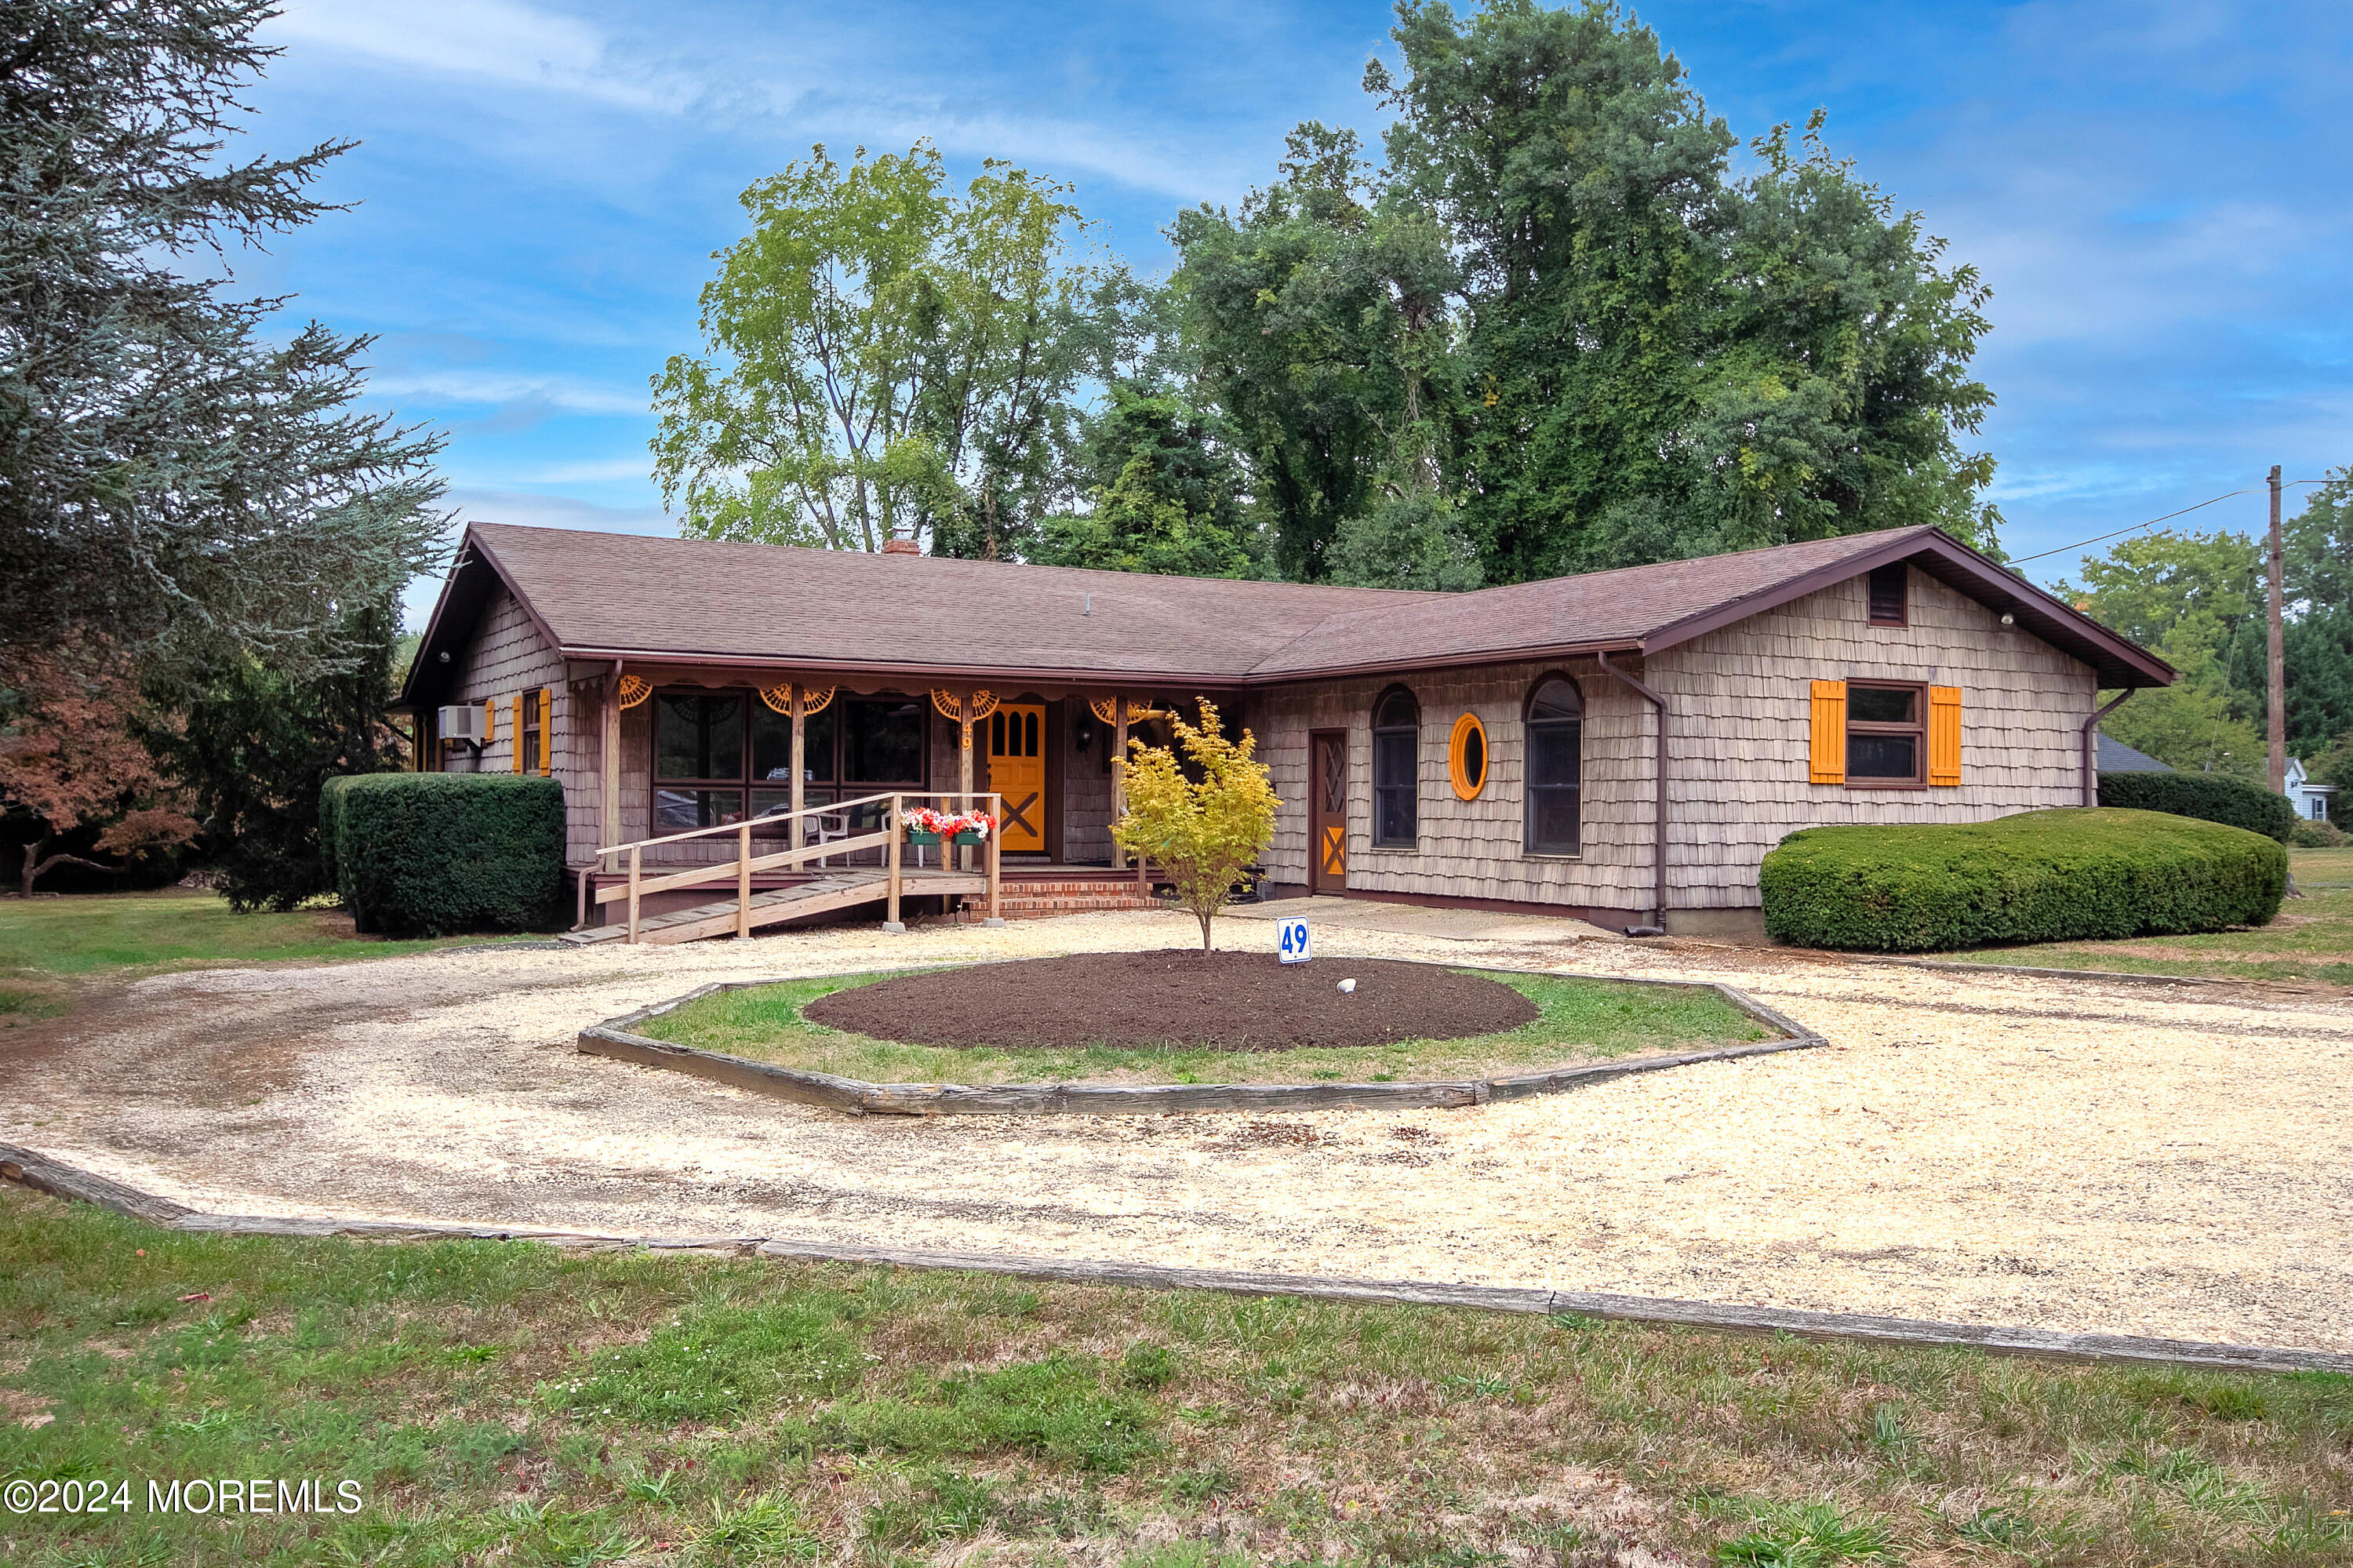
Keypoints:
pixel 461 722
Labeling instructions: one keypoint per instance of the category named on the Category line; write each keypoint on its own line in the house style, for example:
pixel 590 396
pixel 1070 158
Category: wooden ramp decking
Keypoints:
pixel 834 890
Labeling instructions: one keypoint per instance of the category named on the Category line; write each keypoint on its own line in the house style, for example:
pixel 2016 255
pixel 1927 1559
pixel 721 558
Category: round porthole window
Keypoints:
pixel 1466 757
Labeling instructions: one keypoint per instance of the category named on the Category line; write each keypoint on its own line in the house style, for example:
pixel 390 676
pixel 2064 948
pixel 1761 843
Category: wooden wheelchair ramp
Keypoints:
pixel 886 884
pixel 834 890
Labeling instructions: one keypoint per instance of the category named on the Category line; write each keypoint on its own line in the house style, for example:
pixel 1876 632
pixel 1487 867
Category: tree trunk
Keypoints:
pixel 33 864
pixel 1204 914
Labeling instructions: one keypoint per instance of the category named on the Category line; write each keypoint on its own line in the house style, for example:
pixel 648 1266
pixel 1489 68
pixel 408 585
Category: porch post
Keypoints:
pixel 963 782
pixel 1119 778
pixel 609 758
pixel 794 840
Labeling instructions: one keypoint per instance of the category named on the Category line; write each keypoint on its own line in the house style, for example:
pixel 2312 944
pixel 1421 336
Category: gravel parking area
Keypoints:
pixel 2083 1156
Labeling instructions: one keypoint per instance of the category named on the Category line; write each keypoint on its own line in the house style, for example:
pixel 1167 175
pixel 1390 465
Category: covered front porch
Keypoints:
pixel 713 770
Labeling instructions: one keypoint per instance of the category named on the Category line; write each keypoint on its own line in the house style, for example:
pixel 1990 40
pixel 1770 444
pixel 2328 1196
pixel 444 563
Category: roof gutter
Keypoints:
pixel 1064 676
pixel 2092 747
pixel 1659 814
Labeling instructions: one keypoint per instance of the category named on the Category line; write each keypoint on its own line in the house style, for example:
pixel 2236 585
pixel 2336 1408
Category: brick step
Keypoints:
pixel 1016 908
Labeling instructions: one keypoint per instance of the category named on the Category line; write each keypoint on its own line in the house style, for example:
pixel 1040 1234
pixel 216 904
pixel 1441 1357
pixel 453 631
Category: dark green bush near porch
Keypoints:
pixel 2042 876
pixel 434 853
pixel 2207 796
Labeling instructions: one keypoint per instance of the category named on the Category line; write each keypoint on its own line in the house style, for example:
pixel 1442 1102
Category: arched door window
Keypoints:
pixel 1397 758
pixel 1555 726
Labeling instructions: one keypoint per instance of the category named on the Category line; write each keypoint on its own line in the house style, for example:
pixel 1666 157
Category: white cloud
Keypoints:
pixel 505 388
pixel 499 40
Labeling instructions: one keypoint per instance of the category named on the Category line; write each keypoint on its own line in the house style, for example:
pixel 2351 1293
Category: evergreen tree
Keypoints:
pixel 167 473
pixel 259 739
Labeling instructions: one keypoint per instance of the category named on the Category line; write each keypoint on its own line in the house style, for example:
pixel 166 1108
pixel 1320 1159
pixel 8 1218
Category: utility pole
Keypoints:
pixel 2278 657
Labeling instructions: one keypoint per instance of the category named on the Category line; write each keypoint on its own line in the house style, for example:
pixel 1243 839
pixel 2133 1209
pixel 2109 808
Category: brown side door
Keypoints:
pixel 1327 817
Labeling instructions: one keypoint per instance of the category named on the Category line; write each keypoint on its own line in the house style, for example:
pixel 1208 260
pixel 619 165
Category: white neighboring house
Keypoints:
pixel 2310 800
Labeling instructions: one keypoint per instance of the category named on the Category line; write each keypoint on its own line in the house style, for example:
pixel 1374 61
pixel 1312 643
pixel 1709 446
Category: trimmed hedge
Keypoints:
pixel 435 853
pixel 2042 876
pixel 2208 797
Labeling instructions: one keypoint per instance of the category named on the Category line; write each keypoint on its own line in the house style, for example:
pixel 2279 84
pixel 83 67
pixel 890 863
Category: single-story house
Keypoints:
pixel 1621 745
pixel 2310 800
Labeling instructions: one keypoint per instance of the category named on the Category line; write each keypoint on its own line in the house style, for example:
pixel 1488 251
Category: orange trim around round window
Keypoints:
pixel 1465 769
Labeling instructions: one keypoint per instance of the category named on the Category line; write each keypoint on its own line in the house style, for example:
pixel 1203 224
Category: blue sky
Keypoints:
pixel 2157 194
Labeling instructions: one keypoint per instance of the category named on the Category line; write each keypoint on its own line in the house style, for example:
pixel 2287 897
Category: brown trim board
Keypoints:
pixel 29 1169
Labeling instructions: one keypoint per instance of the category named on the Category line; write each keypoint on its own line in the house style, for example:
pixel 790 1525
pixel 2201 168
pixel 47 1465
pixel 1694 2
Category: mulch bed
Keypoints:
pixel 1229 1001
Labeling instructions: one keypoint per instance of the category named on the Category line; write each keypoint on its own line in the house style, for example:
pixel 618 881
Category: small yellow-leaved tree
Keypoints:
pixel 1203 835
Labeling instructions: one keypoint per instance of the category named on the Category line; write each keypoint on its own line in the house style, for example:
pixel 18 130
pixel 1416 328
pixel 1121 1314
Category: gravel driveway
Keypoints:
pixel 2081 1156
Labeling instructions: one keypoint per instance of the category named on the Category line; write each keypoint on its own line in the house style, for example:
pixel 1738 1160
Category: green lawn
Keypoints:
pixel 2312 939
pixel 508 1403
pixel 1579 1020
pixel 48 943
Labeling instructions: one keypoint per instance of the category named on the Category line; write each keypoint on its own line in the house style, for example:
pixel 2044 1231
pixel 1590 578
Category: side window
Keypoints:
pixel 1556 731
pixel 1397 755
pixel 1886 734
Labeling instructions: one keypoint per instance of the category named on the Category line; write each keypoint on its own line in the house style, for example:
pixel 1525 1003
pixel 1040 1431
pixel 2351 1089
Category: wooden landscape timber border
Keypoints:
pixel 856 1096
pixel 29 1169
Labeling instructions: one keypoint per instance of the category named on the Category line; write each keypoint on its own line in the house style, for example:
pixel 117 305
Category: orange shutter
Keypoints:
pixel 1943 735
pixel 489 720
pixel 517 748
pixel 1829 733
pixel 547 730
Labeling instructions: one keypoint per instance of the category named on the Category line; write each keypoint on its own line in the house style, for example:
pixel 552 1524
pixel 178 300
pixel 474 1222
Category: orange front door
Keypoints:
pixel 1327 817
pixel 1017 770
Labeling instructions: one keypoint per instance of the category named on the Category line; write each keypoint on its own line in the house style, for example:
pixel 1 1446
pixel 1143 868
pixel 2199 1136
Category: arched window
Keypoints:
pixel 1555 726
pixel 1397 758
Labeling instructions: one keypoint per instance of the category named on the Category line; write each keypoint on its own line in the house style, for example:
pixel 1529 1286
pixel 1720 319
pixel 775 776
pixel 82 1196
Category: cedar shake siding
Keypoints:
pixel 1473 849
pixel 1738 727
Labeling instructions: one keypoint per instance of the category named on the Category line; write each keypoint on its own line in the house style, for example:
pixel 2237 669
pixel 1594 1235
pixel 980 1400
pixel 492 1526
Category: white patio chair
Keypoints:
pixel 830 825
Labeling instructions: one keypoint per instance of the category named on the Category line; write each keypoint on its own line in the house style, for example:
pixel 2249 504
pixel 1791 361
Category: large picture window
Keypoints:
pixel 1397 760
pixel 720 756
pixel 1886 734
pixel 1555 772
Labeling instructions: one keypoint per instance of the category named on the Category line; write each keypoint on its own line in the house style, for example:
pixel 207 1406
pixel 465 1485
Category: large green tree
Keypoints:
pixel 173 470
pixel 1552 332
pixel 883 356
pixel 1320 321
pixel 1164 487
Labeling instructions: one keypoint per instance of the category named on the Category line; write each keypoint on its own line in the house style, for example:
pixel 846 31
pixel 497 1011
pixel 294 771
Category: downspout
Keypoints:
pixel 1659 817
pixel 2092 747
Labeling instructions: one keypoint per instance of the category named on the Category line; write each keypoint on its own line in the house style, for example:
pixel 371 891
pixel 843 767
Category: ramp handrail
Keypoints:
pixel 891 838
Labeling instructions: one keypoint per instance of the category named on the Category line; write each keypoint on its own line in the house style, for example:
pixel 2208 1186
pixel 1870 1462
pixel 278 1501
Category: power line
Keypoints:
pixel 2021 560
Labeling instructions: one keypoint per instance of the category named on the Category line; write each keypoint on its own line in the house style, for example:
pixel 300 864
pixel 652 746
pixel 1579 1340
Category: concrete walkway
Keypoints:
pixel 2081 1156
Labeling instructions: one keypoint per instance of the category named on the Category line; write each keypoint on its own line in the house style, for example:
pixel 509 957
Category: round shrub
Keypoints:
pixel 2043 876
pixel 2207 796
pixel 2316 835
pixel 435 853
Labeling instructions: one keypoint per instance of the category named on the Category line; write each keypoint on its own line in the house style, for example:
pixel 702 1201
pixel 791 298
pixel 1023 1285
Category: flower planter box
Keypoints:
pixel 918 836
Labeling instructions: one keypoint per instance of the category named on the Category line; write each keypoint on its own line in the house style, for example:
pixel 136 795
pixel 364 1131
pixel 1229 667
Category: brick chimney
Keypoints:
pixel 895 545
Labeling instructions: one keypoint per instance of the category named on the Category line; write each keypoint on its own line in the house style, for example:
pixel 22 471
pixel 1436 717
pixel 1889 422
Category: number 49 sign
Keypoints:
pixel 1290 942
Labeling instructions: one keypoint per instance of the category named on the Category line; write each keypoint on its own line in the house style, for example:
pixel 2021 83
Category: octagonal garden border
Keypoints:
pixel 857 1098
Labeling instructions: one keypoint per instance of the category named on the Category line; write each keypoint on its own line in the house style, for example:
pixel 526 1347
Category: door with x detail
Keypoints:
pixel 1017 770
pixel 1327 790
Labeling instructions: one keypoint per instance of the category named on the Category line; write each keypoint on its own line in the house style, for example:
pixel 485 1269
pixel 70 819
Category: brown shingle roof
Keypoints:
pixel 1625 608
pixel 621 594
pixel 604 595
